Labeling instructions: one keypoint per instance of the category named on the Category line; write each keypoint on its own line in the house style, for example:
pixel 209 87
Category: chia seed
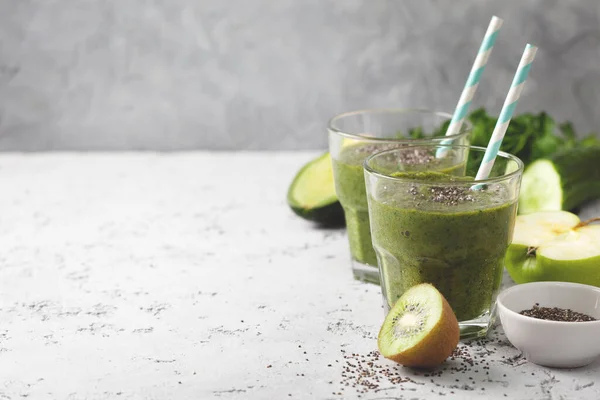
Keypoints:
pixel 556 314
pixel 415 155
pixel 451 195
pixel 371 373
pixel 376 148
pixel 368 373
pixel 407 156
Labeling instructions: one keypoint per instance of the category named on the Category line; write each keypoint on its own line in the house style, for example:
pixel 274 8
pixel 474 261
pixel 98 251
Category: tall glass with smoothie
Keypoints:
pixel 431 223
pixel 353 137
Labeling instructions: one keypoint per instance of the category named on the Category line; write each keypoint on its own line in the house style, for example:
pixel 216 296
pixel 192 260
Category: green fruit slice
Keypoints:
pixel 540 188
pixel 421 329
pixel 573 256
pixel 312 193
pixel 554 246
pixel 565 181
pixel 535 229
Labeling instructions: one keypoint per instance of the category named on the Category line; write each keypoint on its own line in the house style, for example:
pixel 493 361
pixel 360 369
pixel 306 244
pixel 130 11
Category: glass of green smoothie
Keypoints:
pixel 354 136
pixel 431 223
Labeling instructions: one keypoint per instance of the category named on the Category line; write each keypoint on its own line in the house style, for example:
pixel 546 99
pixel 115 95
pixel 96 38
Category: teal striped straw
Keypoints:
pixel 466 97
pixel 506 114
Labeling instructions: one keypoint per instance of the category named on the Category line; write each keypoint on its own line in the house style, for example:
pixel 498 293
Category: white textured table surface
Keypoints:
pixel 185 276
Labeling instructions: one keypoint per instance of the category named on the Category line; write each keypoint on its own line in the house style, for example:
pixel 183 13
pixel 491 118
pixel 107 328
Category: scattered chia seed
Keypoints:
pixel 556 314
pixel 371 373
pixel 364 373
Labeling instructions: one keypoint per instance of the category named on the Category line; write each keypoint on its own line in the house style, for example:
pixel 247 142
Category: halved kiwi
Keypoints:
pixel 421 329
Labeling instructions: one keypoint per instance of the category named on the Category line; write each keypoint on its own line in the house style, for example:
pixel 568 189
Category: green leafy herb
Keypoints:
pixel 529 136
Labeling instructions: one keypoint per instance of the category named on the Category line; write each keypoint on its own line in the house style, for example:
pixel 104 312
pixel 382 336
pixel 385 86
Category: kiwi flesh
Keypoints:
pixel 421 329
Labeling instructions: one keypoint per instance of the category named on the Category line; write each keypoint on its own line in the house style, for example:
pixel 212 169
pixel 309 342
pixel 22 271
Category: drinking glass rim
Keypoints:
pixel 392 111
pixel 518 171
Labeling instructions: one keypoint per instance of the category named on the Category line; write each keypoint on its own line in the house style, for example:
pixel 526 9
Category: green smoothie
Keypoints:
pixel 452 237
pixel 351 191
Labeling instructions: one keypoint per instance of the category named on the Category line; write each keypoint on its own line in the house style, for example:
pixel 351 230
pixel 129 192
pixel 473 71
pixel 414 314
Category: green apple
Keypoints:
pixel 554 246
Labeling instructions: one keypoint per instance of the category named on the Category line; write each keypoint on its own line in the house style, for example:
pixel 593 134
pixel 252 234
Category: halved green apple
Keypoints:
pixel 554 246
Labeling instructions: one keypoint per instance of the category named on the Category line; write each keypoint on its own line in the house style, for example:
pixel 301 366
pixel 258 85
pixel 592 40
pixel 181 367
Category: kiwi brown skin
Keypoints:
pixel 434 348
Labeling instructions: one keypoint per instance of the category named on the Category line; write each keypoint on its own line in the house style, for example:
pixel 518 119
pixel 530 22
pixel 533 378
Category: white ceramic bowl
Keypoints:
pixel 552 343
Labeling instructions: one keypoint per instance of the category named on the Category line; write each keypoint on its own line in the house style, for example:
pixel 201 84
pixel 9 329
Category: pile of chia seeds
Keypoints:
pixel 376 148
pixel 451 195
pixel 448 195
pixel 407 156
pixel 556 314
pixel 415 156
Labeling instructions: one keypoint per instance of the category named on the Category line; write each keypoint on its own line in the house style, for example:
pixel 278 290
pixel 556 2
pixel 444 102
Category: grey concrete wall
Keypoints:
pixel 266 74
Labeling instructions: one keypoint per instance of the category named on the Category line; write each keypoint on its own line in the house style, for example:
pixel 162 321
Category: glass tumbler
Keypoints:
pixel 431 223
pixel 354 136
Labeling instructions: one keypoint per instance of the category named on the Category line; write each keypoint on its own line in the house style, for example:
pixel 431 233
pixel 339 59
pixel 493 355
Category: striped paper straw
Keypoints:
pixel 506 114
pixel 466 97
